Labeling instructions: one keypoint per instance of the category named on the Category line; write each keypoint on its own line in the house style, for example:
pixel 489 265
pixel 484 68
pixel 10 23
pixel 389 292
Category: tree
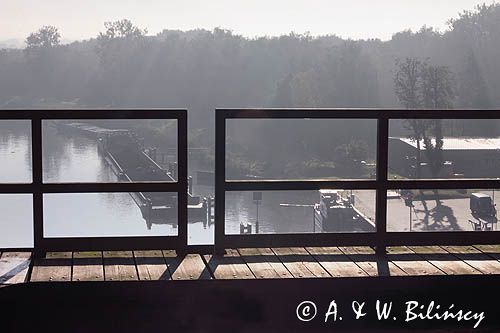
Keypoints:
pixel 43 55
pixel 121 29
pixel 118 38
pixel 46 37
pixel 283 93
pixel 347 77
pixel 305 90
pixel 406 82
pixel 420 85
pixel 121 50
pixel 473 94
pixel 433 144
pixel 479 30
pixel 407 90
pixel 436 87
pixel 437 93
pixel 472 88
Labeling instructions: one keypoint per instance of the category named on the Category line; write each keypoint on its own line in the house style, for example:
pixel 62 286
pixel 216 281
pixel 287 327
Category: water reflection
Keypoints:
pixel 15 151
pixel 16 220
pixel 98 215
pixel 76 158
pixel 72 159
pixel 277 212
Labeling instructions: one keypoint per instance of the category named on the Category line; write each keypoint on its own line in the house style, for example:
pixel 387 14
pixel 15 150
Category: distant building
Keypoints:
pixel 464 157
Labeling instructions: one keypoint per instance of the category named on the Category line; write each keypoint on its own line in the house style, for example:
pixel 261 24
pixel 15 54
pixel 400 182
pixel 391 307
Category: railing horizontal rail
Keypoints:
pixel 298 240
pixel 428 238
pixel 111 243
pixel 357 114
pixel 442 184
pixel 94 114
pixel 300 185
pixel 91 187
pixel 284 185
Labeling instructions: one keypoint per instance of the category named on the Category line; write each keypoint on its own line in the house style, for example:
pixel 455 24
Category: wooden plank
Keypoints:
pixel 14 267
pixel 188 267
pixel 491 250
pixel 443 260
pixel 264 264
pixel 55 266
pixel 300 263
pixel 228 266
pixel 472 256
pixel 370 263
pixel 151 265
pixel 410 262
pixel 88 266
pixel 119 266
pixel 335 262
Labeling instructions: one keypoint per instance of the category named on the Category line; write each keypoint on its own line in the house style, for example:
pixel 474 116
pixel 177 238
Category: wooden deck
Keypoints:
pixel 267 263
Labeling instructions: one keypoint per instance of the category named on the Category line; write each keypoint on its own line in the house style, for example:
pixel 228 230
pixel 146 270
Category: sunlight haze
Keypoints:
pixel 360 19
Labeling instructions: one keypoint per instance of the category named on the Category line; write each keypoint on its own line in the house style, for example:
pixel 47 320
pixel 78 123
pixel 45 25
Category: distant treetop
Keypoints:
pixel 45 37
pixel 122 29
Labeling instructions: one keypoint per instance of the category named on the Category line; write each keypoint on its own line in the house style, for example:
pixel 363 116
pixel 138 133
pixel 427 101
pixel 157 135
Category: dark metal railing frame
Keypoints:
pixel 38 188
pixel 381 237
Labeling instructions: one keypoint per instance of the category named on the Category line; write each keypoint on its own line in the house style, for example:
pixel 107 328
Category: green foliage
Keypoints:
pixel 157 133
pixel 352 152
pixel 472 90
pixel 121 29
pixel 200 70
pixel 437 87
pixel 406 82
pixel 46 37
pixel 238 165
pixel 433 144
pixel 417 84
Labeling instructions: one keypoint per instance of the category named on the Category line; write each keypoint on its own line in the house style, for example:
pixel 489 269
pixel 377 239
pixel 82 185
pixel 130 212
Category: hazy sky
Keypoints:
pixel 78 19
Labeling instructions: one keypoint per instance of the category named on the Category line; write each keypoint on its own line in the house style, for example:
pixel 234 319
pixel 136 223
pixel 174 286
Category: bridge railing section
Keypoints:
pixel 384 194
pixel 387 186
pixel 62 196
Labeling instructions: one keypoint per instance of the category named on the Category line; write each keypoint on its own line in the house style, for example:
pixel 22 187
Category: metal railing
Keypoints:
pixel 38 187
pixel 381 237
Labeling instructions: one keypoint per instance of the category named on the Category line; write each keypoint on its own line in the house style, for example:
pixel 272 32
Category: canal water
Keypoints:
pixel 75 158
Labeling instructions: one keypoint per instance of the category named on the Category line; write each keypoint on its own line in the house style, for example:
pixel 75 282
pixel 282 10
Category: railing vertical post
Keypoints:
pixel 182 171
pixel 37 174
pixel 382 182
pixel 220 179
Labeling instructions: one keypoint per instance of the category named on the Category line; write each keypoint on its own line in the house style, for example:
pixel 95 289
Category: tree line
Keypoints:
pixel 201 70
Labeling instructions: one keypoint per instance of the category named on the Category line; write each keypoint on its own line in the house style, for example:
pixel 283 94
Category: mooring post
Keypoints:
pixel 190 185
